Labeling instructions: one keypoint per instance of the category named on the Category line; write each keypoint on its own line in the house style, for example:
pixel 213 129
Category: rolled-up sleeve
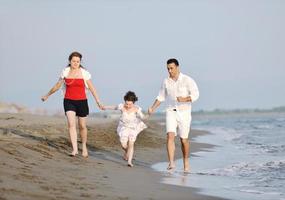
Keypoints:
pixel 193 88
pixel 162 93
pixel 87 75
pixel 62 74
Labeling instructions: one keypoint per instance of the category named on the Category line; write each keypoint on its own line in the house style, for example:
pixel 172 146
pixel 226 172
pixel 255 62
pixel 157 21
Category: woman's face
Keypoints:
pixel 75 62
pixel 129 104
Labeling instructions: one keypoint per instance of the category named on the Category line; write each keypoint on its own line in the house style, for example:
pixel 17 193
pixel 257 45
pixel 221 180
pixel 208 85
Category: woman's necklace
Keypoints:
pixel 72 79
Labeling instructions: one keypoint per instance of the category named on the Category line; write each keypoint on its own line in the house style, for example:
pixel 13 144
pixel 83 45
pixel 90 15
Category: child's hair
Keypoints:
pixel 130 96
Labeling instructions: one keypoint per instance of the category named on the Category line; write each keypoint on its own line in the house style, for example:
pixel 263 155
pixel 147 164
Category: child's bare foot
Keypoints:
pixel 125 157
pixel 130 165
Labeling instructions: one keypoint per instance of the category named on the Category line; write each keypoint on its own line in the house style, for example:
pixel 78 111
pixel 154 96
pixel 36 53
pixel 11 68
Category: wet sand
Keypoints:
pixel 35 163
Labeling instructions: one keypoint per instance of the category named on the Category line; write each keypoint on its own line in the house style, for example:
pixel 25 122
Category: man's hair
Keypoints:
pixel 130 96
pixel 173 60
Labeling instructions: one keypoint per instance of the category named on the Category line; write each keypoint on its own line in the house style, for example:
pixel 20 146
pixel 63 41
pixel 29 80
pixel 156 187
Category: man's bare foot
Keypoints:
pixel 130 165
pixel 171 166
pixel 187 170
pixel 186 167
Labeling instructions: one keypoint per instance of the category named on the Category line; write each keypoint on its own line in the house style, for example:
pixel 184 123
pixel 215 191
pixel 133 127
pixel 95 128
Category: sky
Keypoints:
pixel 234 50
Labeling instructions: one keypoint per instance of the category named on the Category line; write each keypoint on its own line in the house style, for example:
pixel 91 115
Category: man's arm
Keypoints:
pixel 161 97
pixel 184 99
pixel 193 90
pixel 154 106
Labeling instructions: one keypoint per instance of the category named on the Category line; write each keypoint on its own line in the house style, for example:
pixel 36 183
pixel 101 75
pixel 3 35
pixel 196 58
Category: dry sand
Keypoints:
pixel 35 163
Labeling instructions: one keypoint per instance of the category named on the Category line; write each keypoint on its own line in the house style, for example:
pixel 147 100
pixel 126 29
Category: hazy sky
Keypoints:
pixel 234 50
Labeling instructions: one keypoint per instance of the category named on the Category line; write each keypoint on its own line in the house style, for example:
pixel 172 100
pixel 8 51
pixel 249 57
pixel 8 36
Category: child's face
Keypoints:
pixel 129 104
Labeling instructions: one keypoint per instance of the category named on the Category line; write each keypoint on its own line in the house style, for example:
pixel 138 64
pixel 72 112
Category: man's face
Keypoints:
pixel 173 70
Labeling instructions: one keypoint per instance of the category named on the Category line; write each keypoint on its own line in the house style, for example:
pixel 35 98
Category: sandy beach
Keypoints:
pixel 35 163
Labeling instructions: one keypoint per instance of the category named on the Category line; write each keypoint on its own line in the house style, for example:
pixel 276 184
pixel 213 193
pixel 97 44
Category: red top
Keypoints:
pixel 75 89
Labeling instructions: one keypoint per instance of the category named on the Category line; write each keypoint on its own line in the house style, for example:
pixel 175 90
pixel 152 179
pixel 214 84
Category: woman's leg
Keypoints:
pixel 71 119
pixel 83 134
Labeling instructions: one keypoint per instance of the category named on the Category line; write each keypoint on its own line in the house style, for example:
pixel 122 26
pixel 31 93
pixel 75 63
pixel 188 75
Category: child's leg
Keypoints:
pixel 125 148
pixel 130 152
pixel 124 143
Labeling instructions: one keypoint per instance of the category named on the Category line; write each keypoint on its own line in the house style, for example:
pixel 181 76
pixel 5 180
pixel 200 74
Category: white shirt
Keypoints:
pixel 184 86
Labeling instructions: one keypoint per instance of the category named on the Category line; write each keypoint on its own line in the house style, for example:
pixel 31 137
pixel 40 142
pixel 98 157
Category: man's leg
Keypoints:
pixel 183 130
pixel 185 146
pixel 171 149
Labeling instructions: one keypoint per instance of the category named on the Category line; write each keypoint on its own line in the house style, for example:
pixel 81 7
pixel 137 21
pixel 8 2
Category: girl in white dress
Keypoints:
pixel 130 124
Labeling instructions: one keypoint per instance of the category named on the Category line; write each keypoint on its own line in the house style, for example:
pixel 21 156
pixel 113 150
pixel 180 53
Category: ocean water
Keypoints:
pixel 248 162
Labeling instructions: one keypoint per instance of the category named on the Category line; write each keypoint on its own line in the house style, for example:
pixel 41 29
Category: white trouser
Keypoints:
pixel 178 122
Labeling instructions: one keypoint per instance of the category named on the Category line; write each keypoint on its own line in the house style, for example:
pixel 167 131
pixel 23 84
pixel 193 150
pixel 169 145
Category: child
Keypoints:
pixel 130 124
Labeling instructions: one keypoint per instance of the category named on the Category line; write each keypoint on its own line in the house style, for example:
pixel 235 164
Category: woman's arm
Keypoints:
pixel 94 93
pixel 53 90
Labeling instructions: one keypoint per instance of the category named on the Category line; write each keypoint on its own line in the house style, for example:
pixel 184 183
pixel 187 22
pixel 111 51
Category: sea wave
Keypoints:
pixel 245 169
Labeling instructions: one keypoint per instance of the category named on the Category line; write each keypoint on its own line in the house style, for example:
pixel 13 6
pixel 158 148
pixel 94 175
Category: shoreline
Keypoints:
pixel 34 162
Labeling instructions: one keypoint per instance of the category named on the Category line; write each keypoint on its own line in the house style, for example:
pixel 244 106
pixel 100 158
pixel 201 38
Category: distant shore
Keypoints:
pixel 35 163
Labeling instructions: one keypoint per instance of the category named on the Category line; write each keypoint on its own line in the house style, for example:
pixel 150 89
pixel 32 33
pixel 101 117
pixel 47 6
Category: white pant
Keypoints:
pixel 178 122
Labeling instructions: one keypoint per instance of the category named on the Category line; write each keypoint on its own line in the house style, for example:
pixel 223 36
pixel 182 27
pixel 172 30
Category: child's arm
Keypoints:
pixel 141 115
pixel 110 107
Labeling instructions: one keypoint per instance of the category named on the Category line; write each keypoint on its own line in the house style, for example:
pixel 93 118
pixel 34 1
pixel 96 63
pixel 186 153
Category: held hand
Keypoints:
pixel 102 107
pixel 146 116
pixel 44 98
pixel 150 111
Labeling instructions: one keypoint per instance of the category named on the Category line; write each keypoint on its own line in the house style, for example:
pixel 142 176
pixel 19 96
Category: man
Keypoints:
pixel 180 91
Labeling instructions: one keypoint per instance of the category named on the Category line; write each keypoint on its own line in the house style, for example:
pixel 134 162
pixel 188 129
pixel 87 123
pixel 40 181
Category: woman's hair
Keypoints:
pixel 75 54
pixel 130 96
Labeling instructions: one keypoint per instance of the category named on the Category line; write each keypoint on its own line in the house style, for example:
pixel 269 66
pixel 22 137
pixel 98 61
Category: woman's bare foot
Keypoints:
pixel 73 153
pixel 84 151
pixel 130 165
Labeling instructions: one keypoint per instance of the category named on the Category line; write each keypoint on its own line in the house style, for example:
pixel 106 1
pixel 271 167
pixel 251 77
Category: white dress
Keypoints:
pixel 130 124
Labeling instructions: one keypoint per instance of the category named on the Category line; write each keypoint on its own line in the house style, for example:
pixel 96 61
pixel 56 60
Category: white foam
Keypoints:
pixel 244 168
pixel 252 191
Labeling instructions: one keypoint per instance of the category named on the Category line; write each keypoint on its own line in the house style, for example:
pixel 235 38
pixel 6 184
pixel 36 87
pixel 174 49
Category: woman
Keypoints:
pixel 75 80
